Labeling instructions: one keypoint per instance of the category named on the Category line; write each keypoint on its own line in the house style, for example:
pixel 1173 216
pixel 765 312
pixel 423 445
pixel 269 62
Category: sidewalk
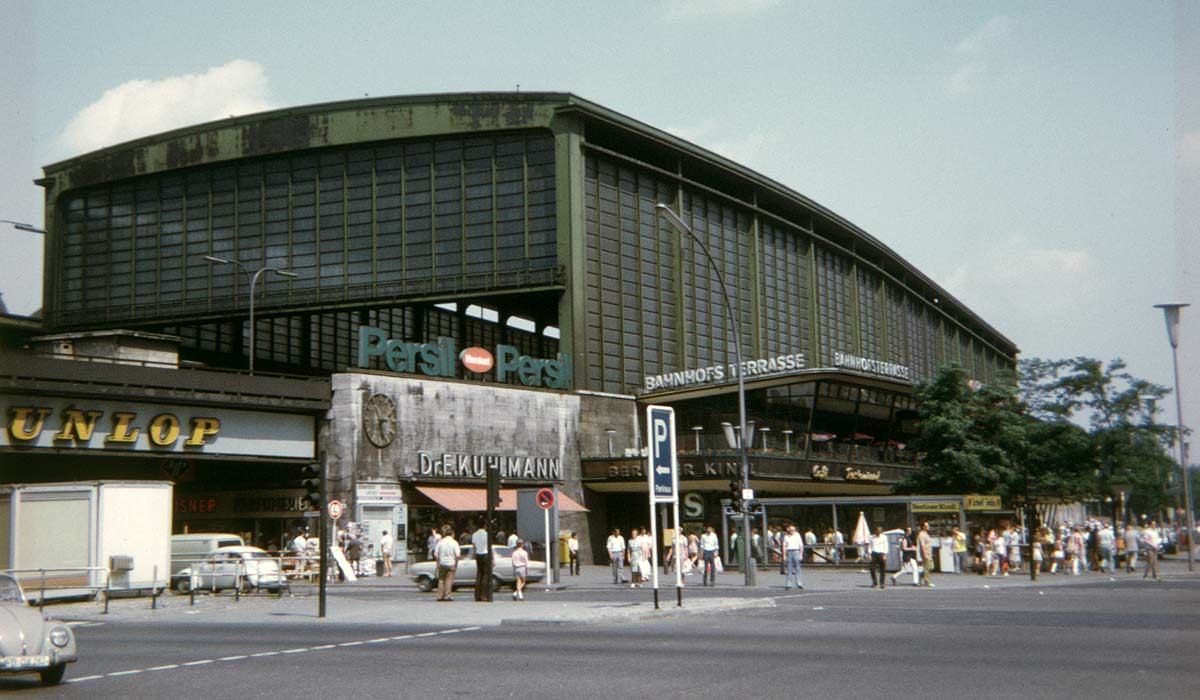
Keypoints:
pixel 395 600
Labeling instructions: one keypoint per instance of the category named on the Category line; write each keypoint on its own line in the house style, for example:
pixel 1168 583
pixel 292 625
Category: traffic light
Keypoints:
pixel 310 480
pixel 735 494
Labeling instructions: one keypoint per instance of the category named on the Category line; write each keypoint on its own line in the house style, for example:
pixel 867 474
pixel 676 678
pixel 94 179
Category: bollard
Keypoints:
pixel 107 588
pixel 154 589
pixel 192 589
pixel 42 593
pixel 237 583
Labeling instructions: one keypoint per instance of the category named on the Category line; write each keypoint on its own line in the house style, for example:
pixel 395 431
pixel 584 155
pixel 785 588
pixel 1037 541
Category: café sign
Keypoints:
pixel 977 502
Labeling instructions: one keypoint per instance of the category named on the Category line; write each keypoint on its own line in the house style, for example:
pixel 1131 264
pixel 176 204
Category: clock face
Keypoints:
pixel 379 419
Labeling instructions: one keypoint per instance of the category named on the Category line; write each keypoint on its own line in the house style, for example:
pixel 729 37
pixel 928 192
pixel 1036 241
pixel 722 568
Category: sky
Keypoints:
pixel 1038 160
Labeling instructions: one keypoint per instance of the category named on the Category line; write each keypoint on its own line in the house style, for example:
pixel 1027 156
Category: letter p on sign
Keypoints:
pixel 661 464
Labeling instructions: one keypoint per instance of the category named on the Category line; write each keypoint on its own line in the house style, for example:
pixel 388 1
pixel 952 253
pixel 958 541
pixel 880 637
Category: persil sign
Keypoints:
pixel 439 360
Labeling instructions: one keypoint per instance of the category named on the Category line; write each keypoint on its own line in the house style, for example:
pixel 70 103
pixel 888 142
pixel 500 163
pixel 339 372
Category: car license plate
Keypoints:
pixel 17 662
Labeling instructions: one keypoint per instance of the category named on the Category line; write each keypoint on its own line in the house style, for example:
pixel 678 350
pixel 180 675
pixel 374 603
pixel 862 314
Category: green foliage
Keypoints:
pixel 1064 430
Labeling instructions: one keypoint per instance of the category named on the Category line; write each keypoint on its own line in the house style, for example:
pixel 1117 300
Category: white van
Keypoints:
pixel 194 547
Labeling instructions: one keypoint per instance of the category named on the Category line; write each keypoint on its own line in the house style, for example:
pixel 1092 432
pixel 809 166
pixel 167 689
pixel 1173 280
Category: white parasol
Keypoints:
pixel 862 533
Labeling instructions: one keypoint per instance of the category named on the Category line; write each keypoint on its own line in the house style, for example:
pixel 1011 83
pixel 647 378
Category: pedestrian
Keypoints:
pixel 1013 540
pixel 1059 556
pixel 573 554
pixel 879 554
pixel 908 557
pixel 520 564
pixel 1076 549
pixel 446 554
pixel 708 550
pixel 810 543
pixel 839 547
pixel 1108 542
pixel 960 550
pixel 1132 544
pixel 1036 552
pixel 385 551
pixel 616 555
pixel 354 554
pixel 431 543
pixel 513 539
pixel 793 552
pixel 999 553
pixel 483 572
pixel 925 549
pixel 635 558
pixel 1150 543
pixel 694 550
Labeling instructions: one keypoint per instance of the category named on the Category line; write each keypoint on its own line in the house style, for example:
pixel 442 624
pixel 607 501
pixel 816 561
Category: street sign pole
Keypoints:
pixel 545 499
pixel 322 538
pixel 662 474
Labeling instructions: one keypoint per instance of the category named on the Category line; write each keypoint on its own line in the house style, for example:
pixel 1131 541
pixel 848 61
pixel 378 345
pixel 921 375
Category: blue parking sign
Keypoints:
pixel 663 475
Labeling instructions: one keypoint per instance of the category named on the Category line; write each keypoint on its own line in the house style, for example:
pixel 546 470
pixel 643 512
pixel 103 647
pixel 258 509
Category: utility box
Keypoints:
pixel 87 535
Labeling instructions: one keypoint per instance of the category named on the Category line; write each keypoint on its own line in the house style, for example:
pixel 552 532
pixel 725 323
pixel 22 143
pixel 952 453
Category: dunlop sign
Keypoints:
pixel 981 502
pixel 70 424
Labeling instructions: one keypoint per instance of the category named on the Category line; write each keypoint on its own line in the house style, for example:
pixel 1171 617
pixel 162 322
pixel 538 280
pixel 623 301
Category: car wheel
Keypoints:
pixel 53 675
pixel 496 583
pixel 246 588
pixel 185 586
pixel 424 584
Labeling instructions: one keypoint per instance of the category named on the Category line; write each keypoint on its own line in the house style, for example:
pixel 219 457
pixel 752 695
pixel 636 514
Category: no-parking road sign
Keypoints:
pixel 545 499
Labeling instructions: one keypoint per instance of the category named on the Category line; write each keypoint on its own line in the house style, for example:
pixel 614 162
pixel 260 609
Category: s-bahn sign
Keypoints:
pixel 440 359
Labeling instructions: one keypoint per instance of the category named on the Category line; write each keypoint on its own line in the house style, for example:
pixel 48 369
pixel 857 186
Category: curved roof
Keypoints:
pixel 382 118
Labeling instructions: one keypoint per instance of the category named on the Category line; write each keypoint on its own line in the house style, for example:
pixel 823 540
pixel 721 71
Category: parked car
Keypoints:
pixel 29 642
pixel 192 547
pixel 228 567
pixel 425 573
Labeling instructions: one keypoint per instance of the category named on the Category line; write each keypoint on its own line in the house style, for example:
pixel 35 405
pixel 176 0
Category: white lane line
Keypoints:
pixel 241 657
pixel 81 623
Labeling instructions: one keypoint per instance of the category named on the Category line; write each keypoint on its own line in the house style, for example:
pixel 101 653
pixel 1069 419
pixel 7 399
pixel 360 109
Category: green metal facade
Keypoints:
pixel 539 205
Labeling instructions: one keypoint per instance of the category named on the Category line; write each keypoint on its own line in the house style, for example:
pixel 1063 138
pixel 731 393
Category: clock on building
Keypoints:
pixel 379 419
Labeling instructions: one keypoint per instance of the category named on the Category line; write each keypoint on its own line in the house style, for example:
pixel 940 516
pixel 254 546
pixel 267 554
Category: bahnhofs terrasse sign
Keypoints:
pixel 440 359
pixel 766 367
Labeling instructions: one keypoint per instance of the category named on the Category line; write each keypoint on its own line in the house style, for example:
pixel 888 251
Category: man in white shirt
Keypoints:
pixel 810 541
pixel 879 553
pixel 616 555
pixel 483 572
pixel 793 552
pixel 385 551
pixel 573 554
pixel 446 553
pixel 708 552
pixel 1150 542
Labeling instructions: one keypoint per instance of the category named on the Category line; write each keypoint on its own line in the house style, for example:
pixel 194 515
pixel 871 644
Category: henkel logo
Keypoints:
pixel 477 360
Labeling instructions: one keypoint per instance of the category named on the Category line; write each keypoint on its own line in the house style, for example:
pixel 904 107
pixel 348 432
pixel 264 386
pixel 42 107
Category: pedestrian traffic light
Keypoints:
pixel 310 480
pixel 735 495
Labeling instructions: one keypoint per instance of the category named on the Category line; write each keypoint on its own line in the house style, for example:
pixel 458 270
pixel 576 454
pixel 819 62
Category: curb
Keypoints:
pixel 640 615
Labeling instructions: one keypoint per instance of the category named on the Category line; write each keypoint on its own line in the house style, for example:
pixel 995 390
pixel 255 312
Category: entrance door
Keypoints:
pixel 376 520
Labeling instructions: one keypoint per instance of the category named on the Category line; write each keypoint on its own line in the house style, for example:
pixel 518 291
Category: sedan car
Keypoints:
pixel 229 567
pixel 29 642
pixel 425 573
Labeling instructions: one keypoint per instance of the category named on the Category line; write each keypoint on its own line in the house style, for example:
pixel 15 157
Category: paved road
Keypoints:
pixel 1086 637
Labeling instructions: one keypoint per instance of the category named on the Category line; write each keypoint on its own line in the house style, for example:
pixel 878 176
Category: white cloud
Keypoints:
pixel 692 9
pixel 1189 149
pixel 1018 285
pixel 746 149
pixel 143 107
pixel 992 32
pixel 976 55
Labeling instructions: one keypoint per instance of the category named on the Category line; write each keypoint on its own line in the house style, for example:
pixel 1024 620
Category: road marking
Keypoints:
pixel 242 657
pixel 81 623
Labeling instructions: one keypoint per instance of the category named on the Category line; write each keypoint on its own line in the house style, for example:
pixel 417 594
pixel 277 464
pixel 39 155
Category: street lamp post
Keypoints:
pixel 747 542
pixel 253 283
pixel 1171 315
pixel 22 227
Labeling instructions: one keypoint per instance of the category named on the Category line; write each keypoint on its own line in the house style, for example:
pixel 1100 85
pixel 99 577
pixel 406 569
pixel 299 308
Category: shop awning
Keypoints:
pixel 461 499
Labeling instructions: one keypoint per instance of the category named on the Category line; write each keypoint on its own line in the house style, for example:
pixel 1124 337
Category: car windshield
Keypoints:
pixel 501 552
pixel 10 590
